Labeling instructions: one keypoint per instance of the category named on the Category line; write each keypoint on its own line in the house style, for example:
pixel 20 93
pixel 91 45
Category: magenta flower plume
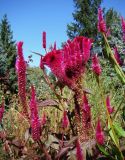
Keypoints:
pixel 123 28
pixel 86 112
pixel 79 154
pixel 85 103
pixel 101 22
pixel 96 65
pixel 21 72
pixel 87 43
pixel 68 63
pixel 36 130
pixel 117 56
pixel 65 120
pixel 99 133
pixel 33 104
pixel 1 111
pixel 44 40
pixel 44 119
pixel 35 123
pixel 108 105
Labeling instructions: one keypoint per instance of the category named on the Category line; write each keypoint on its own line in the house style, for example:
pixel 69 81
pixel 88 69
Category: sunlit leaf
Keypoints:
pixel 102 149
pixel 119 130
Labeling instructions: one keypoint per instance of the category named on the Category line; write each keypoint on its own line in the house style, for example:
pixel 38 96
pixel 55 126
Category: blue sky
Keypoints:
pixel 28 18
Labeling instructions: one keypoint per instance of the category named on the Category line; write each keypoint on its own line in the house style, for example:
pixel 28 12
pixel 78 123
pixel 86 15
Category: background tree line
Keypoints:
pixel 85 24
pixel 7 57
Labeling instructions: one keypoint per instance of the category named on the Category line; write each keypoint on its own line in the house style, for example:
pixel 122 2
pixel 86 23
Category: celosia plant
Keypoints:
pixel 99 133
pixel 74 130
pixel 101 22
pixel 117 56
pixel 1 111
pixel 79 152
pixel 96 65
pixel 21 73
pixel 69 63
pixel 87 112
pixel 108 104
pixel 34 118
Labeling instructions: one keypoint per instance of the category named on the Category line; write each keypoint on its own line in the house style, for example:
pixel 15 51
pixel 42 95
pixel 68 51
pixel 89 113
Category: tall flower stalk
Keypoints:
pixel 68 65
pixel 34 117
pixel 1 110
pixel 101 22
pixel 21 72
pixel 99 133
pixel 108 105
pixel 109 119
pixel 117 56
pixel 121 75
pixel 96 67
pixel 79 153
pixel 109 53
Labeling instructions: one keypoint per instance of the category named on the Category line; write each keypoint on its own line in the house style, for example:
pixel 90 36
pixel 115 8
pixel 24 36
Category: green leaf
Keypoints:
pixel 119 130
pixel 116 153
pixel 113 135
pixel 102 149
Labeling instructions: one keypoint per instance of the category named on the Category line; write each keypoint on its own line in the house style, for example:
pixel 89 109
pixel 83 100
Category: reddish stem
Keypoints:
pixel 48 157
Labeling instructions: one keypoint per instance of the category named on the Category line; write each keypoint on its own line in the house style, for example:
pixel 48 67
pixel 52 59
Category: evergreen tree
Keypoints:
pixel 7 55
pixel 85 19
pixel 85 24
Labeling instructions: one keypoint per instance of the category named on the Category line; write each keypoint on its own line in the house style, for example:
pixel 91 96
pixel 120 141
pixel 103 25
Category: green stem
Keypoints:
pixel 112 58
pixel 110 122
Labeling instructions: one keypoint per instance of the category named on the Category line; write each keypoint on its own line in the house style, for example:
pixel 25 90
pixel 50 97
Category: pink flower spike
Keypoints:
pixel 79 154
pixel 1 111
pixel 108 105
pixel 85 103
pixel 44 119
pixel 44 40
pixel 87 43
pixel 96 65
pixel 19 48
pixel 21 72
pixel 101 22
pixel 86 112
pixel 35 128
pixel 123 28
pixel 33 103
pixel 65 120
pixel 99 133
pixel 35 123
pixel 117 56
